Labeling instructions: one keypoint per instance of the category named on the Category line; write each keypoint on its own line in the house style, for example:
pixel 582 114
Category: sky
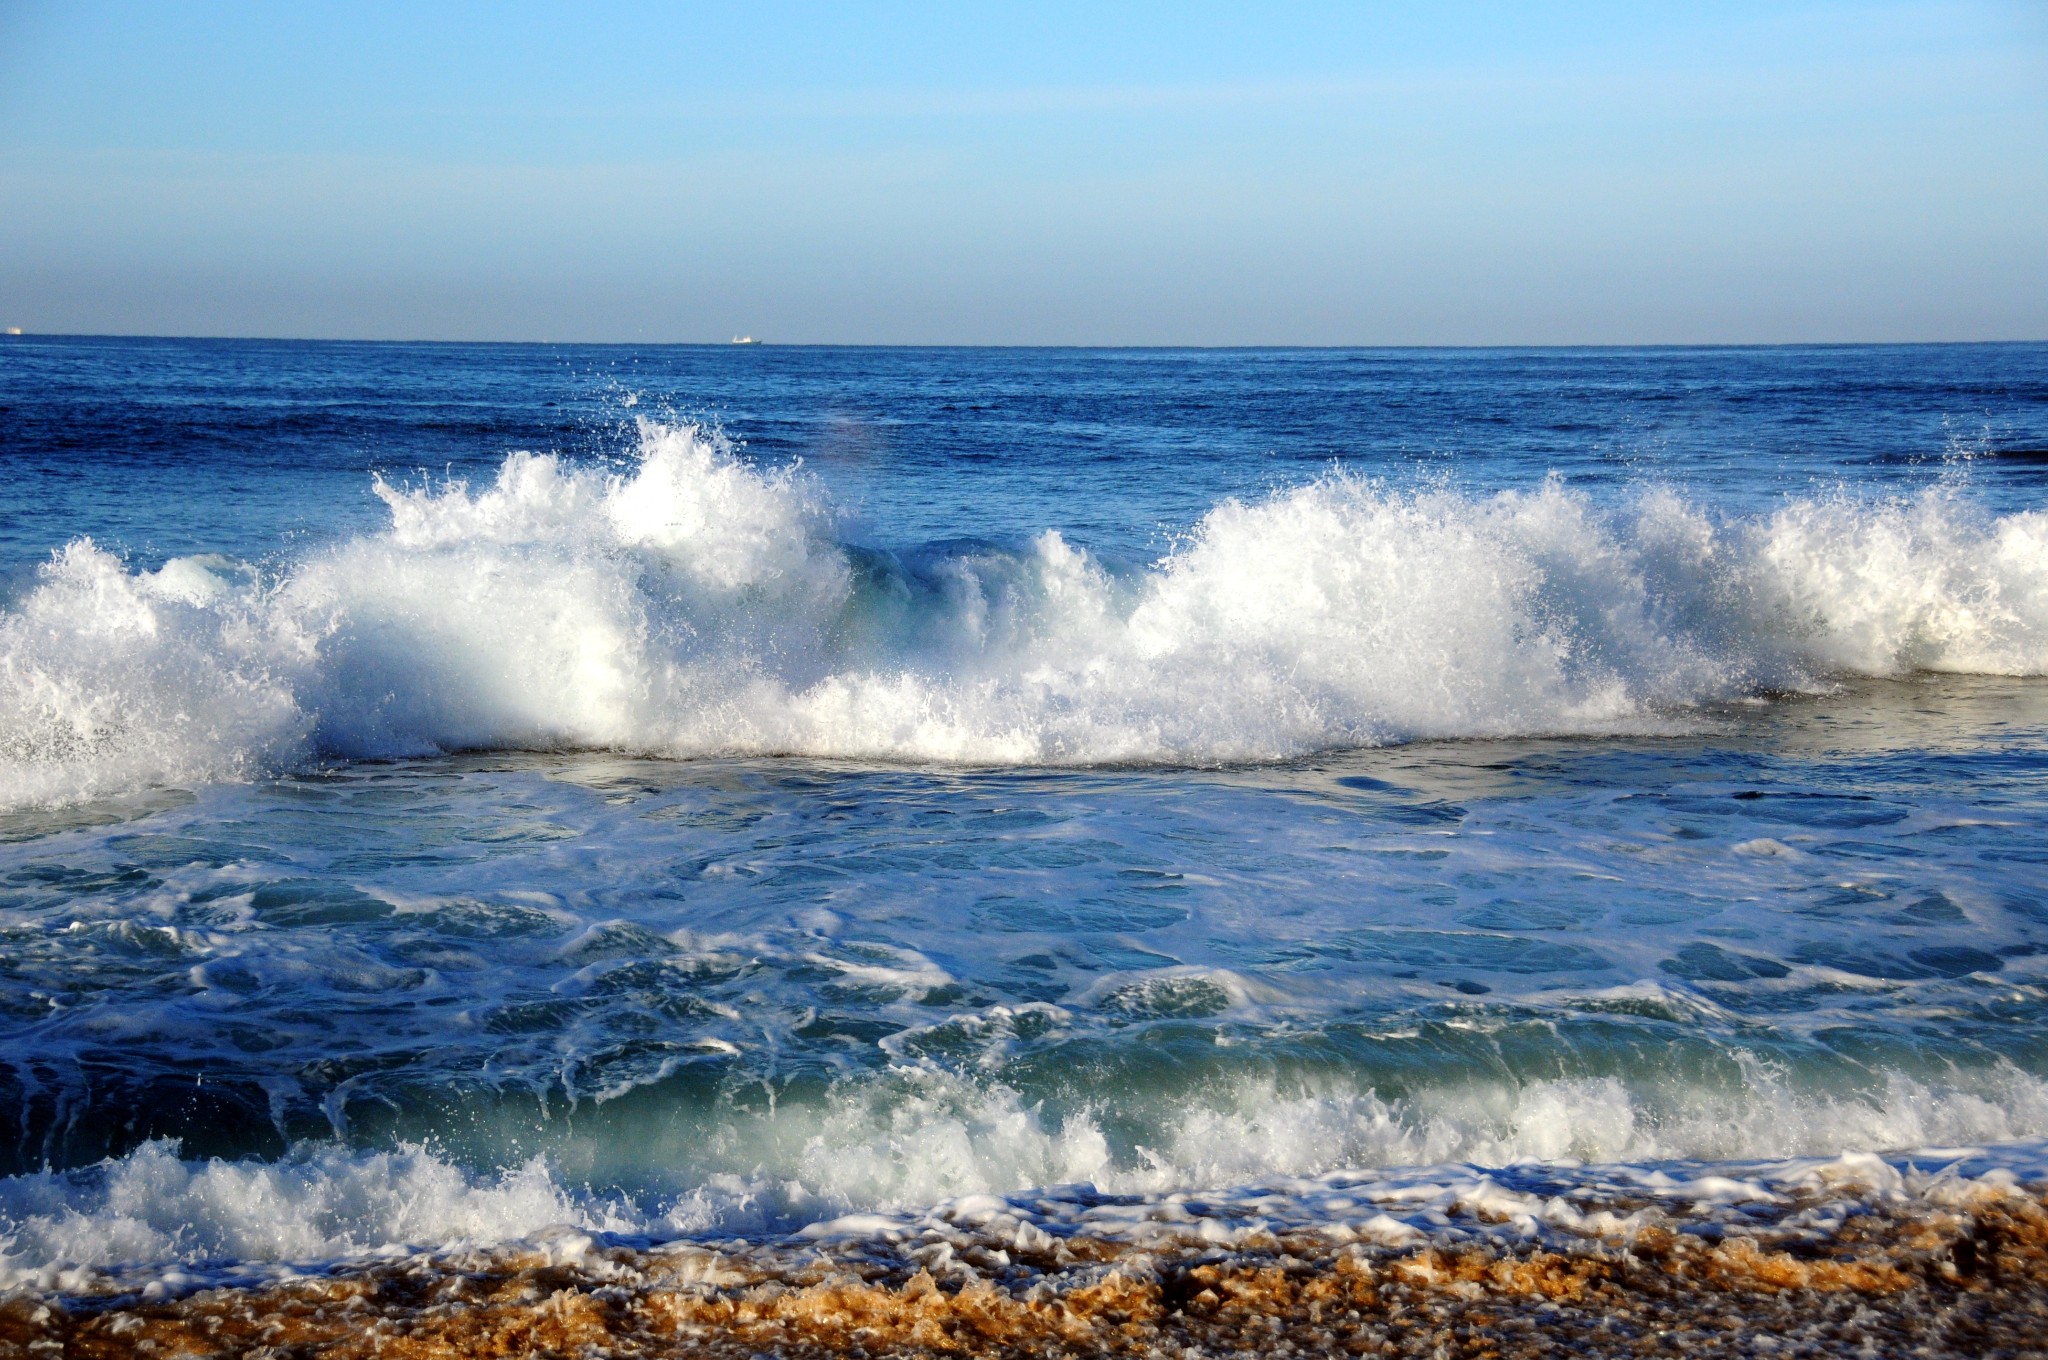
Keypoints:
pixel 1044 173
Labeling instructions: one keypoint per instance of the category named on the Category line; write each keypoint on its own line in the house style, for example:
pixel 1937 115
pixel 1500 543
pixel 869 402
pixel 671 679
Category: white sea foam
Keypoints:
pixel 891 1149
pixel 320 1203
pixel 692 604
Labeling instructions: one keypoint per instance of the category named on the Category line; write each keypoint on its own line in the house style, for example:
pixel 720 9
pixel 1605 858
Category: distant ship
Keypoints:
pixel 745 340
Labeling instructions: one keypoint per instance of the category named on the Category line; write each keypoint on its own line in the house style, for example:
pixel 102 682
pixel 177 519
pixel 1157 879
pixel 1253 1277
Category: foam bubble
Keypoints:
pixel 692 604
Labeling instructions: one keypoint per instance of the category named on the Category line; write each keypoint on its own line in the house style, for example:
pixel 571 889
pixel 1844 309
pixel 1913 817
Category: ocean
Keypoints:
pixel 612 809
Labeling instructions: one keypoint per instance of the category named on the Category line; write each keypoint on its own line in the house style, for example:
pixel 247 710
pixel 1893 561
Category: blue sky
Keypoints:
pixel 1045 173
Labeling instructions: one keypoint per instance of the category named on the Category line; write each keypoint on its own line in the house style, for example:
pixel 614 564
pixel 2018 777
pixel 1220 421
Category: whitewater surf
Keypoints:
pixel 1543 845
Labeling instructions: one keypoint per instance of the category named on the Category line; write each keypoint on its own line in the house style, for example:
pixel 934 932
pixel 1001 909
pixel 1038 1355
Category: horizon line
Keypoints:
pixel 19 333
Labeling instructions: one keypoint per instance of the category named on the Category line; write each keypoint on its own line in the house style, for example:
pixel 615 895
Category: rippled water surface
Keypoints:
pixel 1070 773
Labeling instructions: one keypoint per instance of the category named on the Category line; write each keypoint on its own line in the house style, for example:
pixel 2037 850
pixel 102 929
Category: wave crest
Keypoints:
pixel 691 604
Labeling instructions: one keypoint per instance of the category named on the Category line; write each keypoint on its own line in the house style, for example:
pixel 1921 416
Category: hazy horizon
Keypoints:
pixel 755 342
pixel 1315 176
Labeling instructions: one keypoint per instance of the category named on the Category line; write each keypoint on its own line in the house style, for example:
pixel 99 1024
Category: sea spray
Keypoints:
pixel 692 604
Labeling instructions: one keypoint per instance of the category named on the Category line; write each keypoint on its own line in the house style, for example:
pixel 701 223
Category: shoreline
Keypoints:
pixel 1828 1258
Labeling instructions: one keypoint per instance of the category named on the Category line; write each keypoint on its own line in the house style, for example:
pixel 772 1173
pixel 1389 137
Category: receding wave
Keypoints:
pixel 692 604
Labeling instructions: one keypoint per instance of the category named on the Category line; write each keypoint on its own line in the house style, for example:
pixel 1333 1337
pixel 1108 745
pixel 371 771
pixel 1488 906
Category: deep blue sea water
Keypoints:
pixel 449 791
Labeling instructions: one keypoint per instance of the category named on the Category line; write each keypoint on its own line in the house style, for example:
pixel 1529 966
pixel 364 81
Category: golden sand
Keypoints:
pixel 1966 1277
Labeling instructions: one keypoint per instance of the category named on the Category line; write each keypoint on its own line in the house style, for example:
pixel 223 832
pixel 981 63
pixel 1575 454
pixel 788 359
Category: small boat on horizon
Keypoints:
pixel 745 340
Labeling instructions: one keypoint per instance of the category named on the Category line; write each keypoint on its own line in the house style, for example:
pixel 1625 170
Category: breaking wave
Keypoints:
pixel 863 1155
pixel 692 604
